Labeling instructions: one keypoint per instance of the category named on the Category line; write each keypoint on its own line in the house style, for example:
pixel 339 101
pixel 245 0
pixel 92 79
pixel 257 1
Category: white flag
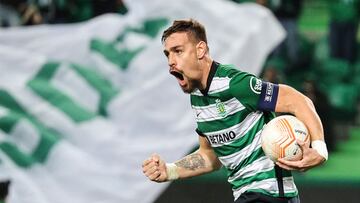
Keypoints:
pixel 82 105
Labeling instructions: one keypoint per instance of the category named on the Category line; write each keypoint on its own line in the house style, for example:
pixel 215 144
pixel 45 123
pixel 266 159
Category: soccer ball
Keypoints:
pixel 278 138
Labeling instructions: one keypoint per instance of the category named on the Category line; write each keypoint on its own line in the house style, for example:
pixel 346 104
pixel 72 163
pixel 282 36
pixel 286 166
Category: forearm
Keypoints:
pixel 195 164
pixel 307 114
pixel 302 107
pixel 311 119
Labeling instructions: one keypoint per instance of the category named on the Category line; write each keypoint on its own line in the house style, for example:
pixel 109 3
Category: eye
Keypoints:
pixel 178 51
pixel 166 53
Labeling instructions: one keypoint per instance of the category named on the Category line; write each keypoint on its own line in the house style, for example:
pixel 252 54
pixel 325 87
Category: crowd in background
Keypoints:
pixel 326 70
pixel 34 12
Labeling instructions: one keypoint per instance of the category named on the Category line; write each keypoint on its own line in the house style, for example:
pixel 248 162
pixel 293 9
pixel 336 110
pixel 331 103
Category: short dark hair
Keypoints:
pixel 190 26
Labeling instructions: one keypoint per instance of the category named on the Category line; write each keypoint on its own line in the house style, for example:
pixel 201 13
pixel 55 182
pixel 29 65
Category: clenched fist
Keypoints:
pixel 155 169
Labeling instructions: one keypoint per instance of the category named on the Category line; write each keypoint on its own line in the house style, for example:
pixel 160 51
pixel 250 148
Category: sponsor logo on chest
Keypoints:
pixel 222 138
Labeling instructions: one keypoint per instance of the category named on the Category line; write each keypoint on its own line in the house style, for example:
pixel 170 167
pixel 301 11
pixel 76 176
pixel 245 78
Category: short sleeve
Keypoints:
pixel 254 93
pixel 199 132
pixel 247 89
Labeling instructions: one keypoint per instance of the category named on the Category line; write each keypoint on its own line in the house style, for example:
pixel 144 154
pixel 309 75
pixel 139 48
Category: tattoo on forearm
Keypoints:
pixel 191 162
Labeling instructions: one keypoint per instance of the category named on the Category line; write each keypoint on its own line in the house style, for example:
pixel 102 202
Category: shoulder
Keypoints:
pixel 238 78
pixel 231 71
pixel 227 70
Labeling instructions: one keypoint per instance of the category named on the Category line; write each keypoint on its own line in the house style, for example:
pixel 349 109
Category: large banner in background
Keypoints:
pixel 82 105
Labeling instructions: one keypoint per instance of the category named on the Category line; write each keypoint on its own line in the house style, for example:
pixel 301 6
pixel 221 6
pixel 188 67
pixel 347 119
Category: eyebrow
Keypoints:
pixel 166 52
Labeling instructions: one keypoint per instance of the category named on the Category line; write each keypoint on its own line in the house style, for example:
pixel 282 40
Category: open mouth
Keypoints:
pixel 177 75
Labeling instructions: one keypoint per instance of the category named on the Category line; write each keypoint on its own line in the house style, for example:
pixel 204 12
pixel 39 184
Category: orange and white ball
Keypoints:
pixel 278 138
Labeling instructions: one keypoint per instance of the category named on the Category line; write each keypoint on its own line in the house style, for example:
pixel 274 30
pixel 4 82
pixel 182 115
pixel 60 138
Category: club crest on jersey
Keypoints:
pixel 255 85
pixel 220 108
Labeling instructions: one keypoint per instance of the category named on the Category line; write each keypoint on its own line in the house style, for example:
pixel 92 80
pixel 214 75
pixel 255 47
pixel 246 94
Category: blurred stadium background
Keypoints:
pixel 332 82
pixel 338 80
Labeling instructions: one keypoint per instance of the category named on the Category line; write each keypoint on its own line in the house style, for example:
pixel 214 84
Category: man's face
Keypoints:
pixel 181 52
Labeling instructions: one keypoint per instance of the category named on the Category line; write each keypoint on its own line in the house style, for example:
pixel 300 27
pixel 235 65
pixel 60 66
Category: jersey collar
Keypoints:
pixel 212 72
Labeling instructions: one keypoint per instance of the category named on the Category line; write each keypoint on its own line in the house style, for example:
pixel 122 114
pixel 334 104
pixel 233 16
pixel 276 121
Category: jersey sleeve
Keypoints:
pixel 199 132
pixel 254 93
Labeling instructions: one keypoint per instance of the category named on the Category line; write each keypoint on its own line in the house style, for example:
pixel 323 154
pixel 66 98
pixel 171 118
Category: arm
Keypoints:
pixel 200 162
pixel 291 101
pixel 294 102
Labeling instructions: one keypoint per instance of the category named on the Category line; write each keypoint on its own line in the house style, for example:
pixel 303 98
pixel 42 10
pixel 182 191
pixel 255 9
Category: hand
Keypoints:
pixel 155 169
pixel 310 159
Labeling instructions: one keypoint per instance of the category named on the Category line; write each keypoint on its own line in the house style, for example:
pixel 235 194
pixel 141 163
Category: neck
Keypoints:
pixel 206 64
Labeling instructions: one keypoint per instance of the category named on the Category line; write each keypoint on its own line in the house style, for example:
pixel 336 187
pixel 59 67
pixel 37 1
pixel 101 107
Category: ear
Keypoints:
pixel 201 49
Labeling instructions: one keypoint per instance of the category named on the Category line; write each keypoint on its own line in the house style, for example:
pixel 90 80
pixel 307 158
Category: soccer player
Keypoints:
pixel 231 108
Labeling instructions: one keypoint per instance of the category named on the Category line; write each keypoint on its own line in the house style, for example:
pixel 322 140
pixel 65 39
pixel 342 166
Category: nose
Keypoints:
pixel 171 61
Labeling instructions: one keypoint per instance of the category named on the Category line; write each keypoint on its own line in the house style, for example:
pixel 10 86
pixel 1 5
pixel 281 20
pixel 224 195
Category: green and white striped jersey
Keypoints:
pixel 227 115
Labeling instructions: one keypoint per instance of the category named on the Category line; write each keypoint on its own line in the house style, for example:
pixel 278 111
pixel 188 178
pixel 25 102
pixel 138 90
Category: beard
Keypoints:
pixel 191 86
